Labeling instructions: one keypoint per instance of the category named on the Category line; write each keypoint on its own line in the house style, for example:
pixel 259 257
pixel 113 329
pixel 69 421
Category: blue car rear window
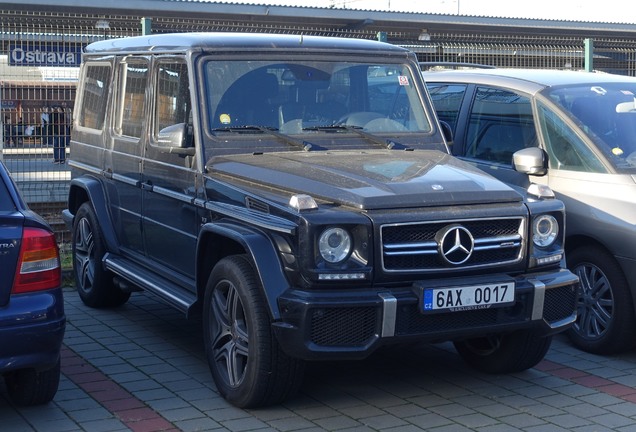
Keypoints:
pixel 6 202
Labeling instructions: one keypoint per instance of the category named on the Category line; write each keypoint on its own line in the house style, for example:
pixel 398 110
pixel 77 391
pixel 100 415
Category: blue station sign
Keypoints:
pixel 40 54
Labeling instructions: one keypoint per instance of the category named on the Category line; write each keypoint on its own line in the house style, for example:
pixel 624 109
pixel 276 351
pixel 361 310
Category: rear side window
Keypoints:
pixel 94 96
pixel 133 76
pixel 447 99
pixel 6 202
pixel 500 123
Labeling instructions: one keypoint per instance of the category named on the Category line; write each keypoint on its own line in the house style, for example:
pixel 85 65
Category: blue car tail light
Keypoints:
pixel 39 262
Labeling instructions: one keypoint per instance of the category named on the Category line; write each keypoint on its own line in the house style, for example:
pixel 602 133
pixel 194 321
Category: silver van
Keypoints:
pixel 586 123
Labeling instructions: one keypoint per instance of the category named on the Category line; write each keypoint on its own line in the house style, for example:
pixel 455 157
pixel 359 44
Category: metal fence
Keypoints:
pixel 39 67
pixel 534 52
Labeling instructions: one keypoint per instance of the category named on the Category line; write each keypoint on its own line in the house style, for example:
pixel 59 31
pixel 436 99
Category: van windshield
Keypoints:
pixel 606 113
pixel 306 100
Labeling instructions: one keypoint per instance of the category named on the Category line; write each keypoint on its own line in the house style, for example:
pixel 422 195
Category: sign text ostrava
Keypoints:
pixel 44 55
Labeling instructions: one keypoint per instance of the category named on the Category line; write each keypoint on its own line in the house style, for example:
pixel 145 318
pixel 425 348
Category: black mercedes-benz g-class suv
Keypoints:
pixel 298 193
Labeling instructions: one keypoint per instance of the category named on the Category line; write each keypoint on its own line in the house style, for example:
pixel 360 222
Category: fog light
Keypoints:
pixel 549 259
pixel 341 276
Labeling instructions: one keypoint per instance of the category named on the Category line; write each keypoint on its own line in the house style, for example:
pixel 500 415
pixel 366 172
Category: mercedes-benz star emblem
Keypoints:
pixel 455 244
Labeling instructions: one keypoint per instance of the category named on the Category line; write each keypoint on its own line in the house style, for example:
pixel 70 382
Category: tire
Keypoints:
pixel 605 321
pixel 249 368
pixel 29 387
pixel 94 283
pixel 513 352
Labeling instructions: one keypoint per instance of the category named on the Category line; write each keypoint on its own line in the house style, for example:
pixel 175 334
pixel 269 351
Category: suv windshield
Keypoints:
pixel 607 114
pixel 305 100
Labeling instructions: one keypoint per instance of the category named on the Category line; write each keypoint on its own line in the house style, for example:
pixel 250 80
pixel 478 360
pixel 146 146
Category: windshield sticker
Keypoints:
pixel 225 119
pixel 617 151
pixel 403 80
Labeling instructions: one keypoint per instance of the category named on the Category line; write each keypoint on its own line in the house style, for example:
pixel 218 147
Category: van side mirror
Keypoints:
pixel 531 160
pixel 174 139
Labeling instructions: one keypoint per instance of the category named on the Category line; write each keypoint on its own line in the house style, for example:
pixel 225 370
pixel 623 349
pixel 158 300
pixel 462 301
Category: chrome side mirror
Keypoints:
pixel 531 160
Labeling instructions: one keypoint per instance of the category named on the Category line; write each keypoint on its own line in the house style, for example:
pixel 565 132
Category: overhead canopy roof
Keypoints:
pixel 123 17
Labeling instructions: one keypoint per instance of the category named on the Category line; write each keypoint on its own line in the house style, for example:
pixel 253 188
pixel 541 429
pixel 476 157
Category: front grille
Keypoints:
pixel 416 246
pixel 559 303
pixel 343 326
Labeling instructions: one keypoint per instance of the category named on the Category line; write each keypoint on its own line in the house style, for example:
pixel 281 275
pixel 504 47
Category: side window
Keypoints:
pixel 500 123
pixel 447 99
pixel 133 76
pixel 172 105
pixel 94 96
pixel 566 150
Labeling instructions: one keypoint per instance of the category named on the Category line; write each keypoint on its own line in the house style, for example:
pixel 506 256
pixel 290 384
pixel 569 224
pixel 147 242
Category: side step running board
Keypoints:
pixel 167 291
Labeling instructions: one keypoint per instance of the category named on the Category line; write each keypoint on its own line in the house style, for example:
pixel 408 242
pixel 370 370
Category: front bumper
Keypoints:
pixel 348 324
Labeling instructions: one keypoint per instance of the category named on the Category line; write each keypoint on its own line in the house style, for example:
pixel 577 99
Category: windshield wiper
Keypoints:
pixel 384 143
pixel 304 145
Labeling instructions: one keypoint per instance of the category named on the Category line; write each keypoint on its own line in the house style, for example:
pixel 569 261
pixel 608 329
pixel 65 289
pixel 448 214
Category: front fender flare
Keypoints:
pixel 88 188
pixel 263 254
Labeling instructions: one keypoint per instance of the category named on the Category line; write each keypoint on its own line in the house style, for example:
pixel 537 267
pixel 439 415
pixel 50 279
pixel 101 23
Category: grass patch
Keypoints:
pixel 66 261
pixel 66 256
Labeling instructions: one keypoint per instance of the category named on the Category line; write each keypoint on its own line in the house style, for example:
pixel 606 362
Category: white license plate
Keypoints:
pixel 468 297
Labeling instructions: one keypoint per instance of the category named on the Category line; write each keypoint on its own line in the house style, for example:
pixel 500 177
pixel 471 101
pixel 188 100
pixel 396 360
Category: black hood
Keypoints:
pixel 371 179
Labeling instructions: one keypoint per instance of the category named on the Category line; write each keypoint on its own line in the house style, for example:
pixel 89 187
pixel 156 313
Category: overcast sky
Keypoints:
pixel 617 11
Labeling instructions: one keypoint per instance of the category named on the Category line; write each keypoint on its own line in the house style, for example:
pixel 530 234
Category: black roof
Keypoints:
pixel 180 42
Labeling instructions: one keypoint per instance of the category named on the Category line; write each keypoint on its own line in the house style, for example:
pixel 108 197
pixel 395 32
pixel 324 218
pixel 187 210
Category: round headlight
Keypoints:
pixel 545 229
pixel 334 245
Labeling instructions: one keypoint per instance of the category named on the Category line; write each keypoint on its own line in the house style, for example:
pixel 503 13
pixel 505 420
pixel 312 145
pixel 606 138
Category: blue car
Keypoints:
pixel 32 319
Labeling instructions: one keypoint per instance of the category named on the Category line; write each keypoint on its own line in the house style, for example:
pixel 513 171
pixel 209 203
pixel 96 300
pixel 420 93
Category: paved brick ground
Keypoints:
pixel 141 368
